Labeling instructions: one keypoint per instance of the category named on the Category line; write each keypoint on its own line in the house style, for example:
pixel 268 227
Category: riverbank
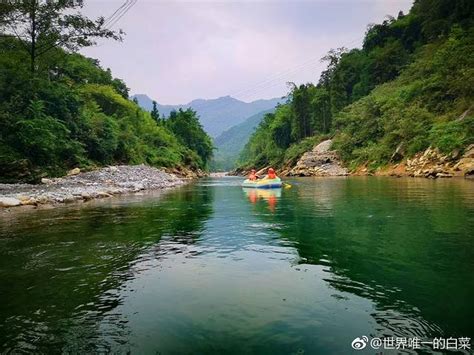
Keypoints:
pixel 428 164
pixel 322 161
pixel 83 186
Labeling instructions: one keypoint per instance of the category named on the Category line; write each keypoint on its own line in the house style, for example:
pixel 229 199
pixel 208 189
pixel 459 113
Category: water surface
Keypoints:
pixel 212 268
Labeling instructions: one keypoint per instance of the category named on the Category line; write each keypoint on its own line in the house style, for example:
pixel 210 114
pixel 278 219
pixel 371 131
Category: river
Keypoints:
pixel 210 268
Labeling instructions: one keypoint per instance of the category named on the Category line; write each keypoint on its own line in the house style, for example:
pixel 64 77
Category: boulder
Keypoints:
pixel 29 202
pixel 320 161
pixel 74 171
pixel 9 202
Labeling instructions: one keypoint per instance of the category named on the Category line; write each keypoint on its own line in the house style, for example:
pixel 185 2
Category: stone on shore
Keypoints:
pixel 433 164
pixel 320 161
pixel 9 202
pixel 85 186
pixel 74 171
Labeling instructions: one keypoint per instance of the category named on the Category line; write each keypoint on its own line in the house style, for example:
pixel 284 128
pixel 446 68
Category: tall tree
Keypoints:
pixel 155 114
pixel 42 25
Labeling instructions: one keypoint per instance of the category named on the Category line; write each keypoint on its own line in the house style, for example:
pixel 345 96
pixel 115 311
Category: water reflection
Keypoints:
pixel 62 269
pixel 271 196
pixel 212 268
pixel 405 245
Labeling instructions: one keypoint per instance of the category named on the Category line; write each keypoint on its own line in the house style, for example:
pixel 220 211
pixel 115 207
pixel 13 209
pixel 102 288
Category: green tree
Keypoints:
pixel 42 25
pixel 155 114
pixel 186 126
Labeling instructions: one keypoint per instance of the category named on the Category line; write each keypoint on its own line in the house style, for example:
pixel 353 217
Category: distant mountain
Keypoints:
pixel 147 103
pixel 230 143
pixel 216 115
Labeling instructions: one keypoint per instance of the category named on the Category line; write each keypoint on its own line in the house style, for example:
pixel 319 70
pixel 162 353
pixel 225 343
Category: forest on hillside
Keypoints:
pixel 59 109
pixel 409 87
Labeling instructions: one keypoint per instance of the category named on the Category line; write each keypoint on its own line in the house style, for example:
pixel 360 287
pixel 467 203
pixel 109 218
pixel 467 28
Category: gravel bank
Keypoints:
pixel 105 182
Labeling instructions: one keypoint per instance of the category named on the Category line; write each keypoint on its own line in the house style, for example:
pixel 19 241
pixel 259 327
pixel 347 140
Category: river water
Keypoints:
pixel 210 268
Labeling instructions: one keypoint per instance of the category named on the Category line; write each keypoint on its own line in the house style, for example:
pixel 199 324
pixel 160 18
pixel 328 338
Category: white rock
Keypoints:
pixel 9 202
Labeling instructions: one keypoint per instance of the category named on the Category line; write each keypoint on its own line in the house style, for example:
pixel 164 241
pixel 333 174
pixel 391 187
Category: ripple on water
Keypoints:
pixel 203 269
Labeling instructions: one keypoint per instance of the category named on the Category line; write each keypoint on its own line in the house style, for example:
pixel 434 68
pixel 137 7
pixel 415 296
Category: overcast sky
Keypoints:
pixel 177 51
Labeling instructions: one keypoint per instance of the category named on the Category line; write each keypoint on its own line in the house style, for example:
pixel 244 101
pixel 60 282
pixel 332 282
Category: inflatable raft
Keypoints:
pixel 263 183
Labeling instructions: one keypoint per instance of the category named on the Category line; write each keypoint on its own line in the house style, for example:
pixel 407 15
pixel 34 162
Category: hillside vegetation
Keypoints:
pixel 230 143
pixel 409 87
pixel 60 110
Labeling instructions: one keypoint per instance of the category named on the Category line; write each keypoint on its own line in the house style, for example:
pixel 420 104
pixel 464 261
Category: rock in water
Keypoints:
pixel 321 161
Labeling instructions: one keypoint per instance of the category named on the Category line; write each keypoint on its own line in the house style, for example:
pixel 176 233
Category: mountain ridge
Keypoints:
pixel 216 115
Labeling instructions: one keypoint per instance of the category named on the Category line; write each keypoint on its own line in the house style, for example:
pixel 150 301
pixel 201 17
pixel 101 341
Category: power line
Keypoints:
pixel 132 3
pixel 269 82
pixel 273 80
pixel 119 13
pixel 109 19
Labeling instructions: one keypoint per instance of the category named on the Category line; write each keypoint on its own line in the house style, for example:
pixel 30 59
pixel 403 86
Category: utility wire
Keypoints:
pixel 271 81
pixel 125 9
pixel 111 17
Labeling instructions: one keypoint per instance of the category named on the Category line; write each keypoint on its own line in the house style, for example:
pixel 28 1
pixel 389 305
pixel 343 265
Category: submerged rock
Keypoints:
pixel 320 161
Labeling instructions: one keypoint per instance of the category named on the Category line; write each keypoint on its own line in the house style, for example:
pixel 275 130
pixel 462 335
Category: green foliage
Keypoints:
pixel 230 143
pixel 79 115
pixel 187 128
pixel 402 92
pixel 155 114
pixel 418 109
pixel 42 26
pixel 452 135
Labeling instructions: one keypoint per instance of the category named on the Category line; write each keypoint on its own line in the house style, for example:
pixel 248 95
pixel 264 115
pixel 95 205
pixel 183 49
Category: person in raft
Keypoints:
pixel 253 175
pixel 271 174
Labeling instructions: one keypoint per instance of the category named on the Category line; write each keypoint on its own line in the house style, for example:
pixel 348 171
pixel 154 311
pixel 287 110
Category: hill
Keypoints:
pixel 409 88
pixel 230 143
pixel 82 117
pixel 216 115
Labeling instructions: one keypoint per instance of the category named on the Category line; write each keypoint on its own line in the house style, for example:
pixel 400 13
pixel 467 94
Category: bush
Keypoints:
pixel 453 135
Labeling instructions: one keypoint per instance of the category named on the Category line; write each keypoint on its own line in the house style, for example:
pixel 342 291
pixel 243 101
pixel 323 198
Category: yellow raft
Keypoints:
pixel 263 183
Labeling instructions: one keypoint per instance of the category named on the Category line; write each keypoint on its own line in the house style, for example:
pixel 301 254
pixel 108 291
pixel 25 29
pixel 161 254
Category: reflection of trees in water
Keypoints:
pixel 61 269
pixel 406 247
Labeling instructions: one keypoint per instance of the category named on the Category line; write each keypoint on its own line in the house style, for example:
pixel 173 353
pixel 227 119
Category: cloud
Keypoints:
pixel 176 51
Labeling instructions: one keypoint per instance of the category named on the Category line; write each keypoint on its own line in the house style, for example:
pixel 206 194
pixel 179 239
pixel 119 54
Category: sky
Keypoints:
pixel 176 51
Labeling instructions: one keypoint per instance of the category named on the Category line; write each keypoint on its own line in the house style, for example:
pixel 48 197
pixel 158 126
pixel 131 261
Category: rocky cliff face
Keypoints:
pixel 320 161
pixel 433 164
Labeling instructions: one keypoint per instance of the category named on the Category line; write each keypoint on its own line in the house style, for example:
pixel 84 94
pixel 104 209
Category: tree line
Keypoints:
pixel 403 91
pixel 59 109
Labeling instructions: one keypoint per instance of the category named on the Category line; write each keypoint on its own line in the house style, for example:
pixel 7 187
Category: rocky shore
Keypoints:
pixel 430 163
pixel 84 186
pixel 320 161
